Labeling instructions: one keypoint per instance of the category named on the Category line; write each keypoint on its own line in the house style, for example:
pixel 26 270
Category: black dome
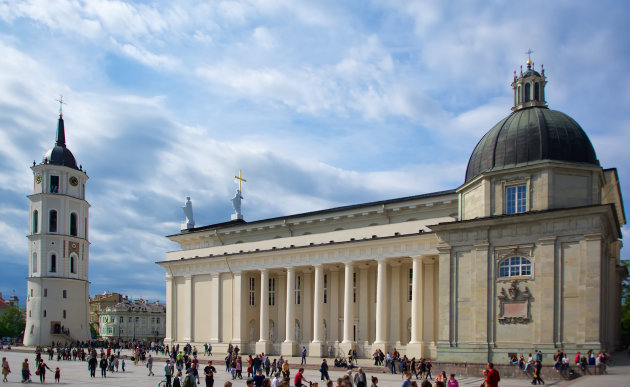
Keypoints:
pixel 59 154
pixel 529 135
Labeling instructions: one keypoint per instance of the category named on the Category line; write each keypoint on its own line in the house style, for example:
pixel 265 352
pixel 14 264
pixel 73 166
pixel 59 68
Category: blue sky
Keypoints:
pixel 321 104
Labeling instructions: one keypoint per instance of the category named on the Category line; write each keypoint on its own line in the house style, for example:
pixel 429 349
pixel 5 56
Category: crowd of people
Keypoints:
pixel 184 369
pixel 588 363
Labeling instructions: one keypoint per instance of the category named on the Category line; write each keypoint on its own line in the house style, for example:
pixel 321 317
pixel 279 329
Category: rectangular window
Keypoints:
pixel 354 287
pixel 54 184
pixel 53 263
pixel 325 288
pixel 298 288
pixel 516 199
pixel 122 319
pixel 252 291
pixel 272 291
pixel 52 221
pixel 113 318
pixel 157 320
pixel 410 297
pixel 64 294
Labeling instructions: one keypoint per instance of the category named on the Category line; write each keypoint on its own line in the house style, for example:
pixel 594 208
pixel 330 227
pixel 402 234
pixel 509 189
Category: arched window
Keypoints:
pixel 35 221
pixel 64 313
pixel 52 221
pixel 536 91
pixel 528 89
pixel 515 267
pixel 45 292
pixel 73 265
pixel 73 224
pixel 34 263
pixel 53 263
pixel 519 94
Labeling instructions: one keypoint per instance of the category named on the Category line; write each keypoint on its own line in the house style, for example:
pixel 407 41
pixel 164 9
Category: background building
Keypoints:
pixel 102 301
pixel 523 255
pixel 58 247
pixel 133 320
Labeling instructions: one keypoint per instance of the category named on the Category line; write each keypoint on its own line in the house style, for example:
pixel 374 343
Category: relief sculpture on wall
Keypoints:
pixel 514 304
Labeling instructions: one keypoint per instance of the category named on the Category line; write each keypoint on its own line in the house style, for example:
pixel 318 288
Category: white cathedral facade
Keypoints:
pixel 523 255
pixel 57 283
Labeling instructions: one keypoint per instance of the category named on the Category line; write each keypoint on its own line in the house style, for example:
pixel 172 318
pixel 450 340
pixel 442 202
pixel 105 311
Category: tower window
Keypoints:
pixel 272 291
pixel 46 292
pixel 537 91
pixel 64 294
pixel 528 89
pixel 34 263
pixel 35 221
pixel 73 265
pixel 516 199
pixel 73 224
pixel 54 184
pixel 53 263
pixel 44 312
pixel 519 94
pixel 64 313
pixel 52 221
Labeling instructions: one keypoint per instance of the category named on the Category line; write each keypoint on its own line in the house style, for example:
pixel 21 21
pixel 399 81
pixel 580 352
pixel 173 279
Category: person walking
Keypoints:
pixel 168 373
pixel 493 377
pixel 303 356
pixel 26 372
pixel 92 363
pixel 150 366
pixel 537 369
pixel 103 365
pixel 323 370
pixel 209 371
pixel 360 379
pixel 6 370
pixel 41 370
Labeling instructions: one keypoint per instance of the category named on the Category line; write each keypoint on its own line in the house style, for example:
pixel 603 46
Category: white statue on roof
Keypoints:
pixel 188 211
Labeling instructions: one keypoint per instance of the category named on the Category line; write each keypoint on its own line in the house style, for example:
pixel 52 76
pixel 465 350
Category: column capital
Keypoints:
pixel 349 264
pixel 188 277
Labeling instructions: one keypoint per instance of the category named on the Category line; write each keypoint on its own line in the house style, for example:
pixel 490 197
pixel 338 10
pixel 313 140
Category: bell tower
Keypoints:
pixel 57 307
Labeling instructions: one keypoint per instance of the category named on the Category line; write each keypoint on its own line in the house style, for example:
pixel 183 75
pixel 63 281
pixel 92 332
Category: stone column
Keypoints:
pixel 215 308
pixel 381 307
pixel 315 348
pixel 348 310
pixel 395 309
pixel 189 309
pixel 415 346
pixel 170 304
pixel 264 345
pixel 333 299
pixel 364 307
pixel 237 307
pixel 288 346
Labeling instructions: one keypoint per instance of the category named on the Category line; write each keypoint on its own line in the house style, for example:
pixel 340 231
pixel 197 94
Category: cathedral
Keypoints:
pixel 523 255
pixel 58 247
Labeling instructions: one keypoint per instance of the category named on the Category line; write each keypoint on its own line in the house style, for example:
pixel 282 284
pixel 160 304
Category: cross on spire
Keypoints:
pixel 61 103
pixel 529 53
pixel 240 180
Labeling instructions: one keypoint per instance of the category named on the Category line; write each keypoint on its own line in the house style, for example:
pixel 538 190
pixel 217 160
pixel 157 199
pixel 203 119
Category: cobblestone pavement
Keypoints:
pixel 75 373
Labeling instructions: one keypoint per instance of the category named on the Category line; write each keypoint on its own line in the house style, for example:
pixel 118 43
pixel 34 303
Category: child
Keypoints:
pixel 123 365
pixel 57 375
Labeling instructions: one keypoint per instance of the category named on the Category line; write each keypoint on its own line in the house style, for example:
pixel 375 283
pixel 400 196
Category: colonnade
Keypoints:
pixel 215 307
pixel 317 345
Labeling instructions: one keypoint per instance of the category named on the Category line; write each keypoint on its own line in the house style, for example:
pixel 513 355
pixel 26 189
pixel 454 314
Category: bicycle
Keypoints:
pixel 162 383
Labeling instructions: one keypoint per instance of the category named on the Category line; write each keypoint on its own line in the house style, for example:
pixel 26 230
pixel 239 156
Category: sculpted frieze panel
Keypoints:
pixel 514 304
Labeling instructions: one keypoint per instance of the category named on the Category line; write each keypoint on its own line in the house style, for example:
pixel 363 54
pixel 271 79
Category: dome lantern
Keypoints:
pixel 529 88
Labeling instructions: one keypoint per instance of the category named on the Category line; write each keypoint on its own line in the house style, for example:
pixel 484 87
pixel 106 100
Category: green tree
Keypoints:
pixel 94 330
pixel 11 322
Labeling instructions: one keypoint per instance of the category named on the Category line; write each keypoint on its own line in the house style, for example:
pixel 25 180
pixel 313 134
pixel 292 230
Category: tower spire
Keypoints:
pixel 61 133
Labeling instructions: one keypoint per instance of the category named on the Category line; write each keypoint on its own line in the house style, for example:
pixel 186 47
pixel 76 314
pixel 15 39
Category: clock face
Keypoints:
pixel 38 178
pixel 74 181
